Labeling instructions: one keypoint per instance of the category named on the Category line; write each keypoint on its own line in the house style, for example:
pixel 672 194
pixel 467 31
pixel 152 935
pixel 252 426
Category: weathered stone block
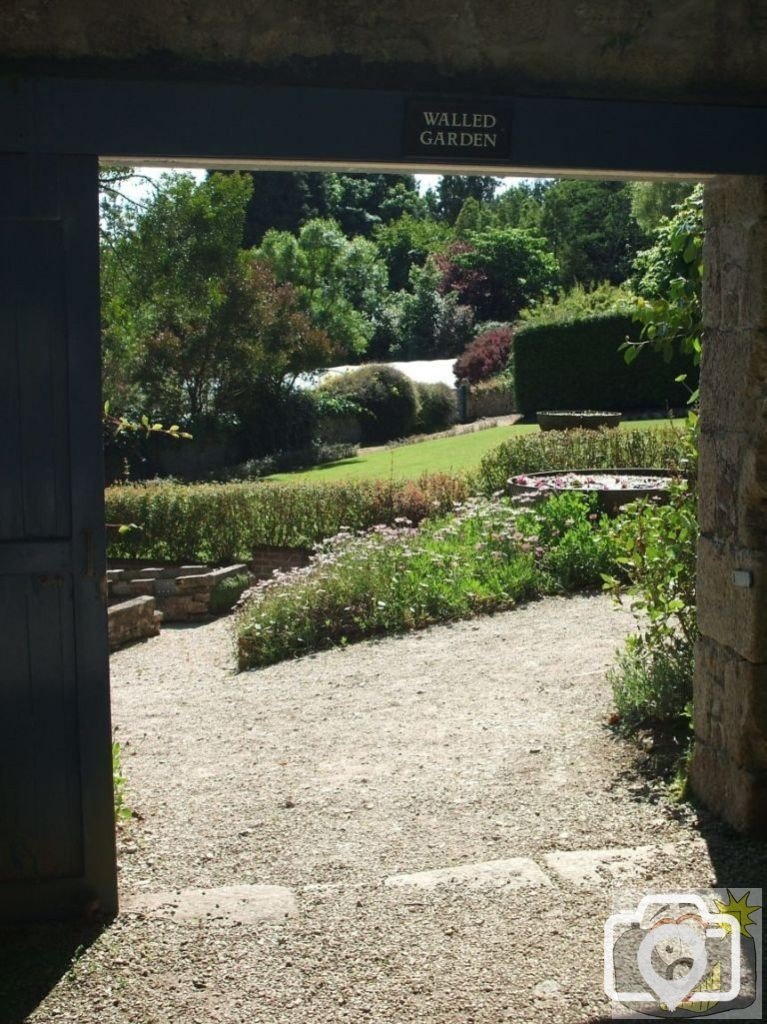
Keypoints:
pixel 598 48
pixel 734 363
pixel 744 713
pixel 718 472
pixel 181 609
pixel 732 477
pixel 740 267
pixel 139 586
pixel 745 198
pixel 731 704
pixel 731 615
pixel 708 689
pixel 187 584
pixel 132 620
pixel 216 575
pixel 734 793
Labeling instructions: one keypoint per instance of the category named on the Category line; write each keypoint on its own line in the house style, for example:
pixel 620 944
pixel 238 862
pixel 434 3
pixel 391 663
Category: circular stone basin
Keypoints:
pixel 585 419
pixel 614 487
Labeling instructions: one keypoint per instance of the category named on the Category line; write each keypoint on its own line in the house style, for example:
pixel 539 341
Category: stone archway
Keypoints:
pixel 49 204
pixel 729 768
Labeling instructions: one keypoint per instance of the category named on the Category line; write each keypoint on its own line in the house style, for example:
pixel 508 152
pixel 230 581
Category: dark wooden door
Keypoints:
pixel 56 815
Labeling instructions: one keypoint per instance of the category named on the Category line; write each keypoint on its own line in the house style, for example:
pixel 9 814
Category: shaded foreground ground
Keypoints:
pixel 468 743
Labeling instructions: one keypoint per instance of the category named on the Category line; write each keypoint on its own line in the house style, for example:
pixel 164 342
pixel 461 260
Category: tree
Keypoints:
pixel 211 329
pixel 338 283
pixel 474 216
pixel 431 325
pixel 653 201
pixel 359 202
pixel 669 278
pixel 164 283
pixel 520 206
pixel 591 230
pixel 454 189
pixel 406 243
pixel 268 340
pixel 499 271
pixel 281 200
pixel 486 356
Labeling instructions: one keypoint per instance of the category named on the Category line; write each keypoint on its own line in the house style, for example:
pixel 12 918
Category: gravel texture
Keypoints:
pixel 474 742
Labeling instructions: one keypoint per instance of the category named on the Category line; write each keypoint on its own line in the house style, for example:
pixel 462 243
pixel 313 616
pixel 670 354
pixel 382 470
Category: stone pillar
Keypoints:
pixel 729 767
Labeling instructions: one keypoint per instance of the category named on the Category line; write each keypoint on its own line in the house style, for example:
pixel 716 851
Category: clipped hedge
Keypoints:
pixel 577 365
pixel 219 523
pixel 386 397
pixel 437 408
pixel 662 447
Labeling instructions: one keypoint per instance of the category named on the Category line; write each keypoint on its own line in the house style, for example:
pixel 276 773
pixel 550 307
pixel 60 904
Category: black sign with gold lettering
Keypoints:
pixel 472 131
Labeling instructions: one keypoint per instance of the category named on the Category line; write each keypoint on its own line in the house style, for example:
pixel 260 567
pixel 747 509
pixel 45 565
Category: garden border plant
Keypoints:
pixel 652 678
pixel 485 557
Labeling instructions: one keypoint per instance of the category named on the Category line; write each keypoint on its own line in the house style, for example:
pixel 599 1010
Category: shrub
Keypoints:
pixel 386 397
pixel 486 356
pixel 656 547
pixel 580 302
pixel 278 420
pixel 578 364
pixel 221 523
pixel 226 593
pixel 577 547
pixel 652 688
pixel 485 558
pixel 658 447
pixel 437 407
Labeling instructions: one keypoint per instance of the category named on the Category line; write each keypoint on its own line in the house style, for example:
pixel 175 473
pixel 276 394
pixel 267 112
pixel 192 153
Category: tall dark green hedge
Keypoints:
pixel 578 365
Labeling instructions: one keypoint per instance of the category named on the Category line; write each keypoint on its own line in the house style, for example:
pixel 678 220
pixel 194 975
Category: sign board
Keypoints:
pixel 473 131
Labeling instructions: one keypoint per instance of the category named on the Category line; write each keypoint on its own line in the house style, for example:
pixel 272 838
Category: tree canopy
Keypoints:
pixel 217 293
pixel 189 318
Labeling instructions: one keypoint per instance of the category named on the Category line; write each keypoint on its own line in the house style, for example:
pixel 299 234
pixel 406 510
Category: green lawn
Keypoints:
pixel 443 455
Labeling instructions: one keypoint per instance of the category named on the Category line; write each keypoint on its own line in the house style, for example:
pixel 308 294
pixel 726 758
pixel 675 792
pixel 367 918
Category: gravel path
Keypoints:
pixel 474 742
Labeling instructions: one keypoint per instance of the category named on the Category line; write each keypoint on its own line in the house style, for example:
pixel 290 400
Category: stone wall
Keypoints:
pixel 267 560
pixel 134 619
pixel 686 50
pixel 490 401
pixel 729 768
pixel 180 593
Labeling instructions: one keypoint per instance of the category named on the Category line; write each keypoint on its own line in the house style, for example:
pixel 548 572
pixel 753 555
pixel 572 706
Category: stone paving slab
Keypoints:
pixel 593 867
pixel 228 904
pixel 514 873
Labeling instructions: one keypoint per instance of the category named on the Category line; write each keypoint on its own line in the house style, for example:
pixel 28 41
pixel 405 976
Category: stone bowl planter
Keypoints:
pixel 614 487
pixel 571 419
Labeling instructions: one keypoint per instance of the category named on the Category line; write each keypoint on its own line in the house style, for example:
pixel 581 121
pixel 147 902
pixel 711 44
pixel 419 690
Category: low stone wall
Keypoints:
pixel 485 402
pixel 180 592
pixel 267 560
pixel 135 619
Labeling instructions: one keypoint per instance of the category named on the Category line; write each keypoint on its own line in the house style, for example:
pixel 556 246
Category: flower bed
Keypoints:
pixel 485 557
pixel 614 487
